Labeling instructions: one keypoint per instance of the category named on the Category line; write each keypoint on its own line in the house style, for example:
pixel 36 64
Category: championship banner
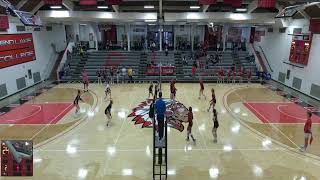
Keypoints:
pixel 16 49
pixel 88 2
pixel 17 56
pixel 53 2
pixel 207 2
pixel 15 41
pixel 4 22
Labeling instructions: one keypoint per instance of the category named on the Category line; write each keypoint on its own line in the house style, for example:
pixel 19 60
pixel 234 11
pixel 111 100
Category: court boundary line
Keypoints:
pixel 42 129
pixel 271 124
pixel 33 114
pixel 68 130
pixel 278 108
pixel 291 151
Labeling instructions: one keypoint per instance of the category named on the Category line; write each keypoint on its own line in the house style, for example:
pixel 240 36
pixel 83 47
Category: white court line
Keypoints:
pixel 33 114
pixel 139 150
pixel 270 123
pixel 50 122
pixel 278 108
pixel 255 110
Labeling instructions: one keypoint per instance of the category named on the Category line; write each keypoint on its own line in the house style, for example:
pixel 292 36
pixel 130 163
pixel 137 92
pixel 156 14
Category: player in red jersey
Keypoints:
pixel 307 132
pixel 190 124
pixel 201 92
pixel 213 100
pixel 221 75
pixel 173 90
pixel 232 74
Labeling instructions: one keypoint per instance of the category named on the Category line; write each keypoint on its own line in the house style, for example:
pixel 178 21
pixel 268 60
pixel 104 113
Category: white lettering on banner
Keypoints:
pixel 13 57
pixel 13 42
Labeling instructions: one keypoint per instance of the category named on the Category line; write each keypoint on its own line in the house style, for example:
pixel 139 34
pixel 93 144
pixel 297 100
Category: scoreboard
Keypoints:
pixel 16 158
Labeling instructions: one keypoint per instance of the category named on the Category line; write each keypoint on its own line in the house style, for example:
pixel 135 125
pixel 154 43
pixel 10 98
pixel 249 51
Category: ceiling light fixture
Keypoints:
pixel 55 7
pixel 148 7
pixel 241 9
pixel 194 7
pixel 150 20
pixel 102 7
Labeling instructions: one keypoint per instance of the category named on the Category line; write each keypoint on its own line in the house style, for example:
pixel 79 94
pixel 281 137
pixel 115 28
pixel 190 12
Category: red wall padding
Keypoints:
pixel 267 3
pixel 314 26
pixel 88 2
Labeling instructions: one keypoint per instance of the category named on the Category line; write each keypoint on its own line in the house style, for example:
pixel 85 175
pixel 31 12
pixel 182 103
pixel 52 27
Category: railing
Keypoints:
pixel 258 58
pixel 265 57
pixel 64 58
pixel 49 66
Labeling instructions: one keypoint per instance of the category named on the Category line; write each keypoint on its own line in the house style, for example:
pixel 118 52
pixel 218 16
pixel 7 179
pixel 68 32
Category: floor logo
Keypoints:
pixel 176 113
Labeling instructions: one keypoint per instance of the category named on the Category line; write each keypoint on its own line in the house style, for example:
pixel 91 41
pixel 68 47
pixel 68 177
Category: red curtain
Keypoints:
pixel 234 3
pixel 267 3
pixel 111 34
pixel 88 2
pixel 207 2
pixel 314 26
pixel 53 2
pixel 4 22
pixel 113 2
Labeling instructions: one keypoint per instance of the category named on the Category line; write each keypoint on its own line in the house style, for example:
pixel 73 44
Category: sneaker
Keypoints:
pixel 194 140
pixel 208 110
pixel 187 139
pixel 302 149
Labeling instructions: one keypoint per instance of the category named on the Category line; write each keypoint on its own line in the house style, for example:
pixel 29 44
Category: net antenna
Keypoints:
pixel 27 18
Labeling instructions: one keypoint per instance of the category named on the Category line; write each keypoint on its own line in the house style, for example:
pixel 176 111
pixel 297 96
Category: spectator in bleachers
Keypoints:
pixel 166 51
pixel 184 60
pixel 99 76
pixel 118 74
pixel 67 69
pixel 130 75
pixel 111 74
pixel 124 73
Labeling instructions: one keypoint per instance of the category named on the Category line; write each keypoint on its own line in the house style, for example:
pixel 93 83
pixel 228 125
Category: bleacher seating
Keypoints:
pixel 135 59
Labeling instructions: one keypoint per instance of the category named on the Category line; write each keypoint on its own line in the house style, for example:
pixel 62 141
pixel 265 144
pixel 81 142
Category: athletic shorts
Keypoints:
pixel 307 135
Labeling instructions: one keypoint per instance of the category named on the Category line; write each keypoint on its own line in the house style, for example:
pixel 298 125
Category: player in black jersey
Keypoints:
pixel 157 89
pixel 107 112
pixel 215 126
pixel 150 90
pixel 76 101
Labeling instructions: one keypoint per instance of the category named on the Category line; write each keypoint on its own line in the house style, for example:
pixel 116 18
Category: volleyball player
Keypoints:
pixel 108 90
pixel 107 112
pixel 190 124
pixel 85 80
pixel 99 76
pixel 157 89
pixel 76 101
pixel 307 132
pixel 173 90
pixel 201 92
pixel 213 100
pixel 215 126
pixel 150 90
